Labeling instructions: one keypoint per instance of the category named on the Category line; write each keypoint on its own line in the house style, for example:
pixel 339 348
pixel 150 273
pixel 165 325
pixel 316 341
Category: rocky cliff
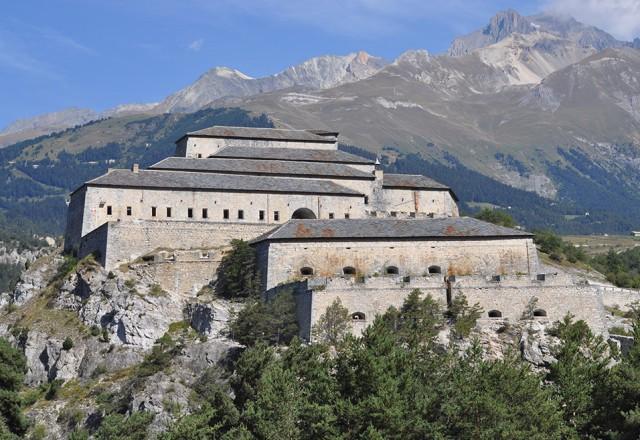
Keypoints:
pixel 99 342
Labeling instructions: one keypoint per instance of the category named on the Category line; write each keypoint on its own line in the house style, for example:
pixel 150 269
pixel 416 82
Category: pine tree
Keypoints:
pixel 333 325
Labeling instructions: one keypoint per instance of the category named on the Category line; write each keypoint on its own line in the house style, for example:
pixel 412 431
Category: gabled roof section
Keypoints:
pixel 267 134
pixel 262 167
pixel 293 154
pixel 389 229
pixel 182 180
pixel 413 181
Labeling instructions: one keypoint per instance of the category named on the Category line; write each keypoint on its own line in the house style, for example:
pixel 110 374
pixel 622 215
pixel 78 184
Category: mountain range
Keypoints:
pixel 542 103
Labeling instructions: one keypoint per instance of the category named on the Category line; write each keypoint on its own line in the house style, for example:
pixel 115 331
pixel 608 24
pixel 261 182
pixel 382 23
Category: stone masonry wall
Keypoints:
pixel 205 147
pixel 454 257
pixel 511 296
pixel 126 241
pixel 141 201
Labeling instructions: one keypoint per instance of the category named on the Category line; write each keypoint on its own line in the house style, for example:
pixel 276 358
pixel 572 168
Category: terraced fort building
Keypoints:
pixel 325 224
pixel 233 182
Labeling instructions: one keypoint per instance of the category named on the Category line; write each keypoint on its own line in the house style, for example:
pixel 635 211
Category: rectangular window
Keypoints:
pixel 276 216
pixel 394 214
pixel 331 215
pixel 225 214
pixel 168 212
pixel 366 200
pixel 261 215
pixel 346 215
pixel 128 210
pixel 154 212
pixel 109 210
pixel 240 214
pixel 205 213
pixel 190 212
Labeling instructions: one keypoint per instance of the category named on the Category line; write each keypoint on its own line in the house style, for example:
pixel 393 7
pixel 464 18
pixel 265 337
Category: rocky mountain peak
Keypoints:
pixel 505 23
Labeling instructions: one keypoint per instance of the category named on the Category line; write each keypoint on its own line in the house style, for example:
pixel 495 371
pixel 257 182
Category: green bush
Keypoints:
pixel 496 217
pixel 118 426
pixel 333 325
pixel 67 344
pixel 54 389
pixel 95 330
pixel 463 316
pixel 237 274
pixel 164 350
pixel 12 368
pixel 273 322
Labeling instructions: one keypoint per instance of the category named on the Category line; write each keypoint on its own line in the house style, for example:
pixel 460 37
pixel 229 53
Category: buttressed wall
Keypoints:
pixel 416 257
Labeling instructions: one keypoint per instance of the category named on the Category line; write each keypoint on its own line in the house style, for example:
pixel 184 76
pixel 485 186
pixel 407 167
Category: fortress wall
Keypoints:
pixel 439 203
pixel 141 201
pixel 208 146
pixel 183 277
pixel 584 302
pixel 75 218
pixel 617 297
pixel 414 257
pixel 95 243
pixel 121 242
pixel 376 295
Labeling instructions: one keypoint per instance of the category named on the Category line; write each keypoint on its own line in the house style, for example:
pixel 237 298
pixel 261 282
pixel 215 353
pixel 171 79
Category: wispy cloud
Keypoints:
pixel 196 45
pixel 619 17
pixel 14 55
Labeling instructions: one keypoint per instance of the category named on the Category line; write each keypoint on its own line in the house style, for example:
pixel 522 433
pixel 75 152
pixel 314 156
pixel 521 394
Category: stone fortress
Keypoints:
pixel 324 222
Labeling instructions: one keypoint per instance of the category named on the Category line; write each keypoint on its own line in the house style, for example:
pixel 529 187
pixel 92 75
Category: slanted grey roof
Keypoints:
pixel 295 154
pixel 272 134
pixel 209 182
pixel 389 229
pixel 413 181
pixel 262 167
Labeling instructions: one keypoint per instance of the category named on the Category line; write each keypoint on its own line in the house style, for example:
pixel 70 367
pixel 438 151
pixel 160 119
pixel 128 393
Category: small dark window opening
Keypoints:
pixel 366 200
pixel 394 214
pixel 496 278
pixel 128 210
pixel 199 156
pixel 153 211
pixel 240 214
pixel 190 212
pixel 205 213
pixel 346 215
pixel 306 271
pixel 261 215
pixel 541 277
pixel 276 216
pixel 358 316
pixel 392 270
pixel 539 312
pixel 331 215
pixel 225 214
pixel 349 270
pixel 435 269
pixel 495 314
pixel 109 210
pixel 168 212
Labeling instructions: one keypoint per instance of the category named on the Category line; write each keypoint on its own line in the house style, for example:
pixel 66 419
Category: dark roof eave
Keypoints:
pixel 315 141
pixel 364 161
pixel 251 173
pixel 362 239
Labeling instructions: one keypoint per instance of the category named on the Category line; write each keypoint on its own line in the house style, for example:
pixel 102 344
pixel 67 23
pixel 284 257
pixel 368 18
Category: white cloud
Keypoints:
pixel 621 18
pixel 196 45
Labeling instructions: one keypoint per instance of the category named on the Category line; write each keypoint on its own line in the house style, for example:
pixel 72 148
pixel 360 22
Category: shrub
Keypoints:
pixel 156 290
pixel 463 316
pixel 333 325
pixel 238 272
pixel 273 322
pixel 95 330
pixel 118 426
pixel 496 217
pixel 54 389
pixel 67 344
pixel 160 357
pixel 12 368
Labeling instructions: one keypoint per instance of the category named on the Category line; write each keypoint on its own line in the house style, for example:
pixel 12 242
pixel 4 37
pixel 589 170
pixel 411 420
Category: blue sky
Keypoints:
pixel 100 53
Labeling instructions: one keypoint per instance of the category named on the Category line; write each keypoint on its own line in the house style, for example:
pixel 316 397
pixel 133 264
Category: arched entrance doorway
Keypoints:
pixel 303 213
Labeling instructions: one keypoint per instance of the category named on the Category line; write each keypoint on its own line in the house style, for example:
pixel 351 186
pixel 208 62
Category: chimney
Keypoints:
pixel 377 172
pixel 135 168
